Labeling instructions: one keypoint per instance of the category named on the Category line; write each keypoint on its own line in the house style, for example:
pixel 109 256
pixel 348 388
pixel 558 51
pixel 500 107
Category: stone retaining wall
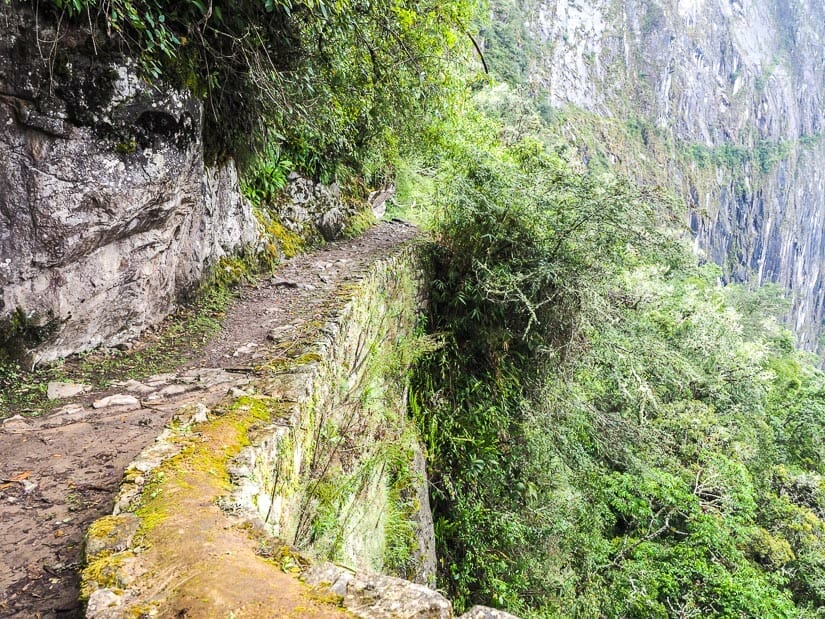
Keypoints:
pixel 341 473
pixel 315 456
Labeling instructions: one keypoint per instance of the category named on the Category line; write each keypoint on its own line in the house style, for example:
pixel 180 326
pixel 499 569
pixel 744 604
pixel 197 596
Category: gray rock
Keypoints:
pixel 236 392
pixel 289 387
pixel 70 412
pixel 485 612
pixel 16 425
pixel 725 79
pixel 212 377
pixel 378 200
pixel 201 414
pixel 58 390
pixel 104 604
pixel 160 379
pixel 279 333
pixel 425 557
pixel 171 391
pixel 107 212
pixel 119 400
pixel 134 387
pixel 246 349
pixel 156 454
pixel 330 577
pixel 322 206
pixel 372 596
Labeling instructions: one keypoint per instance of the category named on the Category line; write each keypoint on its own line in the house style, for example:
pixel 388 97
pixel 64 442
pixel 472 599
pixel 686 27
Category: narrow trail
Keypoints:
pixel 61 471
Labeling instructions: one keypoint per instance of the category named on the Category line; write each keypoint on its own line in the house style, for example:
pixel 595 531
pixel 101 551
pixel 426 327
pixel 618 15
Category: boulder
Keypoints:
pixel 58 391
pixel 321 206
pixel 373 596
pixel 119 400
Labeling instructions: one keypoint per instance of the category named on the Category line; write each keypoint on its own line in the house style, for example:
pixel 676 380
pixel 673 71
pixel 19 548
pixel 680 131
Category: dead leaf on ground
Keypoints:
pixel 17 478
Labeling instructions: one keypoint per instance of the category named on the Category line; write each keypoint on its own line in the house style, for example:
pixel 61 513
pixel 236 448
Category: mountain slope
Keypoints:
pixel 720 99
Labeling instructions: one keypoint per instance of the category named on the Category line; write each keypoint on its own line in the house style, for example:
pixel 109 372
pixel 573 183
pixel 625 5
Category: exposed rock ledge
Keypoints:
pixel 108 214
pixel 373 596
pixel 310 461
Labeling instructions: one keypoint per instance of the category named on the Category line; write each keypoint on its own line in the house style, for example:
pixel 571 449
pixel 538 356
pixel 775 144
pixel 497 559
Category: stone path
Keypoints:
pixel 60 472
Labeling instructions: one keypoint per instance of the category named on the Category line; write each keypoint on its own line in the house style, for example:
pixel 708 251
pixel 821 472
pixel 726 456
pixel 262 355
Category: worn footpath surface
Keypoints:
pixel 61 471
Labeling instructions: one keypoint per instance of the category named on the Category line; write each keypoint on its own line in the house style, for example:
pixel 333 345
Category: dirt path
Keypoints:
pixel 60 472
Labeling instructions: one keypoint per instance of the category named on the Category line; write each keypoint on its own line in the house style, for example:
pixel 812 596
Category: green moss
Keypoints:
pixel 230 271
pixel 289 242
pixel 21 332
pixel 258 407
pixel 307 358
pixel 105 572
pixel 142 611
pixel 106 533
pixel 325 595
pixel 359 223
pixel 152 505
pixel 159 497
pixel 104 527
pixel 126 147
pixel 288 361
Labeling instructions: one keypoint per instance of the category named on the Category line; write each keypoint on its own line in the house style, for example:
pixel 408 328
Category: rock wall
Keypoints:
pixel 734 92
pixel 107 212
pixel 314 206
pixel 341 474
pixel 314 459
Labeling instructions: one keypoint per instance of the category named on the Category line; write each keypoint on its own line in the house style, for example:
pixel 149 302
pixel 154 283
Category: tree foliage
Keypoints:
pixel 611 432
pixel 337 85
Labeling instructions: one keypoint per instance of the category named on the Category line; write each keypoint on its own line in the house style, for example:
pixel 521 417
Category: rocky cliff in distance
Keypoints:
pixel 732 92
pixel 107 212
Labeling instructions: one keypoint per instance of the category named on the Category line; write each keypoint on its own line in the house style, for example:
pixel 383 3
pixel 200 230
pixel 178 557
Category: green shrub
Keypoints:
pixel 611 432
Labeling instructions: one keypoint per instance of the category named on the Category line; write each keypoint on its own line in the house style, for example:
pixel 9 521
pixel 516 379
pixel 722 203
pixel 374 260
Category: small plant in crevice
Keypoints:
pixel 266 177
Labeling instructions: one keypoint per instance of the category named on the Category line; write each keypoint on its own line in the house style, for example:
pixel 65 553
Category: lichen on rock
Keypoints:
pixel 107 211
pixel 373 596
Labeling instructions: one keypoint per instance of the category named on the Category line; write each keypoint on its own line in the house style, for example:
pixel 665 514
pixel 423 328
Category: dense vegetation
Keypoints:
pixel 610 431
pixel 329 86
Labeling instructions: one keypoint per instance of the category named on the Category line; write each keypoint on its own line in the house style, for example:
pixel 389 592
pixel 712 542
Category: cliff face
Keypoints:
pixel 107 212
pixel 735 91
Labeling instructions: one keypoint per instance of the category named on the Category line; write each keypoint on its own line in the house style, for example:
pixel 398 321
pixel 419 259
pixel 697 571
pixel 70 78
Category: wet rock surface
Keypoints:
pixel 60 472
